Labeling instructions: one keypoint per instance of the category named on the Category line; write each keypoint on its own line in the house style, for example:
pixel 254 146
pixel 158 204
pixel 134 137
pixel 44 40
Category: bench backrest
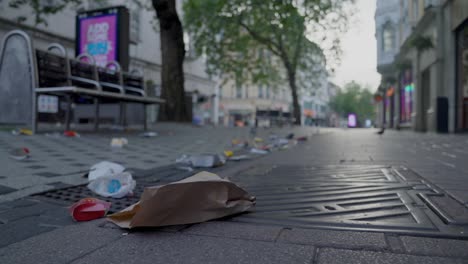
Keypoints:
pixel 109 76
pixel 82 69
pixel 51 69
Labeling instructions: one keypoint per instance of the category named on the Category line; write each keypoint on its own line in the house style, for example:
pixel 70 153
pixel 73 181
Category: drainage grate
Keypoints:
pixel 351 197
pixel 159 176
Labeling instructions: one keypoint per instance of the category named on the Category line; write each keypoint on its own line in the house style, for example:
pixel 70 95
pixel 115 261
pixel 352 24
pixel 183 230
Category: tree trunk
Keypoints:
pixel 296 106
pixel 172 56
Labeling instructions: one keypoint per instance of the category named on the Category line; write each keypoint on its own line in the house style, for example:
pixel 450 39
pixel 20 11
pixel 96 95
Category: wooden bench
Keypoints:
pixel 61 76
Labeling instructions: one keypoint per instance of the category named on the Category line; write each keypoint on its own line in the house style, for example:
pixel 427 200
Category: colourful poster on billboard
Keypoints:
pixel 98 37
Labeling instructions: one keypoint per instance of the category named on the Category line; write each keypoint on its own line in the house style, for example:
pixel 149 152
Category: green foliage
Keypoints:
pixel 354 99
pixel 421 43
pixel 258 41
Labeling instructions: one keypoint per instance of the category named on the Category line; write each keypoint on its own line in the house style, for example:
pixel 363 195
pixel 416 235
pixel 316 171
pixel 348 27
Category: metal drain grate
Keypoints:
pixel 159 176
pixel 365 198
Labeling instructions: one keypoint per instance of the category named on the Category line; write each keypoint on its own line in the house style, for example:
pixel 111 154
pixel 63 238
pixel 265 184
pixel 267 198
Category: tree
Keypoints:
pixel 233 33
pixel 172 49
pixel 354 99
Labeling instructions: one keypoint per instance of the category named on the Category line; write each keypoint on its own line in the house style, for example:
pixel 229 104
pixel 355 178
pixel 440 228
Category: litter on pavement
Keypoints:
pixel 22 131
pixel 258 151
pixel 228 153
pixel 202 161
pixel 114 185
pixel 104 168
pixel 304 138
pixel 290 136
pixel 89 209
pixel 19 153
pixel 239 157
pixel 258 140
pixel 70 133
pixel 118 142
pixel 149 134
pixel 202 197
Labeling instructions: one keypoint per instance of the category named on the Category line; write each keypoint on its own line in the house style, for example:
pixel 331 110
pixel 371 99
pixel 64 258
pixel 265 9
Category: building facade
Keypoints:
pixel 424 78
pixel 144 50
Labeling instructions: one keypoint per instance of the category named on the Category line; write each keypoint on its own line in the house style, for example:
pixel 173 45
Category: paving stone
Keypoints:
pixel 332 238
pixel 343 256
pixel 174 247
pixel 6 189
pixel 47 174
pixel 19 230
pixel 235 230
pixel 436 247
pixel 61 245
pixel 34 209
pixel 35 167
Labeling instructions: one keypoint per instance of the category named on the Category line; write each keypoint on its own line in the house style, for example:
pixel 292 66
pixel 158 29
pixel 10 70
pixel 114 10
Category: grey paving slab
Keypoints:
pixel 343 256
pixel 61 245
pixel 177 248
pixel 235 230
pixel 6 189
pixel 19 230
pixel 436 247
pixel 346 239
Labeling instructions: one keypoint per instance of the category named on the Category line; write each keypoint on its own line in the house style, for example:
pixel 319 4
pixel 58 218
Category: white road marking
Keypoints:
pixel 449 155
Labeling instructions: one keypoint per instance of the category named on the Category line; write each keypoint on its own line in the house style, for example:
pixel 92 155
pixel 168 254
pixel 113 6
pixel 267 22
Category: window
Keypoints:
pixel 267 92
pixel 135 25
pixel 415 8
pixel 260 91
pixel 238 90
pixel 189 46
pixel 388 38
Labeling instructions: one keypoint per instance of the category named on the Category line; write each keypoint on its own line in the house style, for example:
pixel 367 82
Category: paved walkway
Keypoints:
pixel 57 161
pixel 38 232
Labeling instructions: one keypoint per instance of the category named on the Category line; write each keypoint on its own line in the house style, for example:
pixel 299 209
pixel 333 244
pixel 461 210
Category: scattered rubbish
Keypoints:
pixel 104 168
pixel 239 157
pixel 19 153
pixel 70 133
pixel 185 168
pixel 301 138
pixel 239 143
pixel 149 134
pixel 273 137
pixel 115 185
pixel 290 136
pixel 284 147
pixel 258 151
pixel 202 197
pixel 118 142
pixel 282 142
pixel 22 131
pixel 89 209
pixel 202 161
pixel 258 140
pixel 228 153
pixel 55 134
pixel 117 128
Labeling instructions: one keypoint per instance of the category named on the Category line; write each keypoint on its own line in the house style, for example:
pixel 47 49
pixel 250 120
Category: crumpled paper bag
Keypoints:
pixel 202 197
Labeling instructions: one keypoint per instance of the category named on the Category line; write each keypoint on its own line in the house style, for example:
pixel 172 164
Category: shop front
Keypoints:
pixel 462 77
pixel 406 97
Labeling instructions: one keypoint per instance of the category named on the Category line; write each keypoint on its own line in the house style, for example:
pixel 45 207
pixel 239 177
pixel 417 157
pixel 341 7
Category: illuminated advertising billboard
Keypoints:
pixel 104 34
pixel 352 120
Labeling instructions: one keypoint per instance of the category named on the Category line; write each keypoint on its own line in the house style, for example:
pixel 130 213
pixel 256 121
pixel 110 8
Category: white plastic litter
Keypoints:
pixel 202 161
pixel 104 168
pixel 258 151
pixel 149 134
pixel 115 185
pixel 118 142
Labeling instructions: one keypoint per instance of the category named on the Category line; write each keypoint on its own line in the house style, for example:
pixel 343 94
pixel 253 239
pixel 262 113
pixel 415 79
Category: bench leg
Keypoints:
pixel 145 121
pixel 68 112
pixel 96 114
pixel 34 113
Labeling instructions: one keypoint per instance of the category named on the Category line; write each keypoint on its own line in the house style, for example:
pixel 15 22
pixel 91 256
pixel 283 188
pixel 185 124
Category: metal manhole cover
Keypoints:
pixel 351 197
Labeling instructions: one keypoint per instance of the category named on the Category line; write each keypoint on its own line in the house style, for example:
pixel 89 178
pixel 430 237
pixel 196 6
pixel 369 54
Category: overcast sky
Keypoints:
pixel 359 59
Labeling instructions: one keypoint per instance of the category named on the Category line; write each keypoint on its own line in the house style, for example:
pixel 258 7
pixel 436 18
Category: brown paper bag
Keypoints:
pixel 202 197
